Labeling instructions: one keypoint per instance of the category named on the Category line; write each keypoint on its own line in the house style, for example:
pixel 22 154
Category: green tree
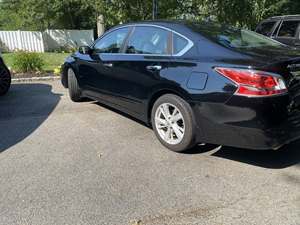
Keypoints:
pixel 48 14
pixel 82 14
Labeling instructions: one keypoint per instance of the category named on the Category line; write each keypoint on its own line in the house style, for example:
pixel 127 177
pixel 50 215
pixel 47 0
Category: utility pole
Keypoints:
pixel 154 9
pixel 100 25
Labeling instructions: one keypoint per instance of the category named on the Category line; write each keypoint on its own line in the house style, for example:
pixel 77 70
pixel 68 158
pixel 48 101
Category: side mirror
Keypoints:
pixel 85 50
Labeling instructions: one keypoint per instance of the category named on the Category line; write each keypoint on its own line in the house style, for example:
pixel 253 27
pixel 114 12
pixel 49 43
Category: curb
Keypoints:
pixel 32 79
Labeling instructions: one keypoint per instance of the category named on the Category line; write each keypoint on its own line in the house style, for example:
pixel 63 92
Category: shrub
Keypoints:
pixel 57 70
pixel 66 49
pixel 27 62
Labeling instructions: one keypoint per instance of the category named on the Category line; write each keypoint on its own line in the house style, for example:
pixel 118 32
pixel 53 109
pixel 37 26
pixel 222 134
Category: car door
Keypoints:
pixel 132 74
pixel 96 70
pixel 287 32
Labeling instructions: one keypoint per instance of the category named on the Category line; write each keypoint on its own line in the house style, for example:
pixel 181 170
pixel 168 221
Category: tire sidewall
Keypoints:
pixel 9 83
pixel 187 113
pixel 73 86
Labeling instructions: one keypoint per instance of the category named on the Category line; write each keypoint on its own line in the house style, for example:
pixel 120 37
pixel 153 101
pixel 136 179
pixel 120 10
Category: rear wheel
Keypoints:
pixel 5 80
pixel 172 121
pixel 74 90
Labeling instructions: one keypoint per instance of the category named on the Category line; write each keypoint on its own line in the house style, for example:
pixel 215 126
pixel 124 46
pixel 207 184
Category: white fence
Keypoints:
pixel 22 40
pixel 55 39
pixel 48 40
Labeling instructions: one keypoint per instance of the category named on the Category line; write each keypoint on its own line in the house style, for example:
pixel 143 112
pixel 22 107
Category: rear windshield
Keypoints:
pixel 234 37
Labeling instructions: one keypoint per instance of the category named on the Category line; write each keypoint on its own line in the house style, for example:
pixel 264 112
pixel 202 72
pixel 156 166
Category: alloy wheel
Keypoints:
pixel 169 123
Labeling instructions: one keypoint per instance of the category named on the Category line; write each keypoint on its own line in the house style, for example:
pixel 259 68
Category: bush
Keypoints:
pixel 27 62
pixel 57 70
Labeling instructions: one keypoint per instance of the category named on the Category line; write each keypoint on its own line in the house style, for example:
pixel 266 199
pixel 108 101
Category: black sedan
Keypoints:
pixel 5 78
pixel 193 82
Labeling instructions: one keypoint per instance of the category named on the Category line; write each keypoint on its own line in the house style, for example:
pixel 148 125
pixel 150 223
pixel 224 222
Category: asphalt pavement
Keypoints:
pixel 82 163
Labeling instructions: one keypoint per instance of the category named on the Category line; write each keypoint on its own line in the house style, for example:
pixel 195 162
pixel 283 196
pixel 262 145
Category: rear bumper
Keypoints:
pixel 258 126
pixel 253 138
pixel 287 132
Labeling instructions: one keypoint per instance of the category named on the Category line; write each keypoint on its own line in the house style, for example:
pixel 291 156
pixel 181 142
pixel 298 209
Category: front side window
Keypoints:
pixel 148 40
pixel 112 42
pixel 266 28
pixel 288 28
pixel 179 43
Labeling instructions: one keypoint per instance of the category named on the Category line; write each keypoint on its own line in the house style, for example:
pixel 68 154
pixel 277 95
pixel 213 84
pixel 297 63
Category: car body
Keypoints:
pixel 285 29
pixel 5 78
pixel 193 68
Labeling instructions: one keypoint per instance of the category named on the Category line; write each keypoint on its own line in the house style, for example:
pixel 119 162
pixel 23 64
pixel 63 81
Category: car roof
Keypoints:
pixel 275 18
pixel 166 22
pixel 180 26
pixel 172 24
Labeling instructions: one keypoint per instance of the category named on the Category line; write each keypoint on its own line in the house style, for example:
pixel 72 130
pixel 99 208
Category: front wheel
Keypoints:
pixel 172 122
pixel 5 81
pixel 74 90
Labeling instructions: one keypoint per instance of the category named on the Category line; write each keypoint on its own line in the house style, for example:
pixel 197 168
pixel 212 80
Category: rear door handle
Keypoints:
pixel 109 65
pixel 154 67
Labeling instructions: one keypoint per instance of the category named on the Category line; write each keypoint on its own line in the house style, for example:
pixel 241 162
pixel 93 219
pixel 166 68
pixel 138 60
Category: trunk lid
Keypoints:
pixel 289 69
pixel 284 61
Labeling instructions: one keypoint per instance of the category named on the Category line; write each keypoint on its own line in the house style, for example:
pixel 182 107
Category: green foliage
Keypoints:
pixel 51 60
pixel 27 62
pixel 82 14
pixel 66 49
pixel 48 14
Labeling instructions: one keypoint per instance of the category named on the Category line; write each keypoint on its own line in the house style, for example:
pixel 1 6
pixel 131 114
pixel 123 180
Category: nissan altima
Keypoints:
pixel 193 82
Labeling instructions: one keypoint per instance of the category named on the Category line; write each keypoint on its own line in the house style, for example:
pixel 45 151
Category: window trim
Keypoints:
pixel 169 48
pixel 132 26
pixel 297 29
pixel 272 29
pixel 185 49
pixel 276 28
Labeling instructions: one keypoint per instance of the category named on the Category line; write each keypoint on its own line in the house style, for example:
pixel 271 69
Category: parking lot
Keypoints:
pixel 82 163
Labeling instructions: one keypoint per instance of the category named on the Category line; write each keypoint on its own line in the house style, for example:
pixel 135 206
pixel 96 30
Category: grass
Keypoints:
pixel 51 60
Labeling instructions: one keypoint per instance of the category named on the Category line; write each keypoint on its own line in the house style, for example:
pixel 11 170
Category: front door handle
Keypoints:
pixel 154 67
pixel 109 65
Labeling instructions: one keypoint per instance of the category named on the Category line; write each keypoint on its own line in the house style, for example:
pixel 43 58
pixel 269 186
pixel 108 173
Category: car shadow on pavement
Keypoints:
pixel 198 149
pixel 122 114
pixel 23 110
pixel 288 155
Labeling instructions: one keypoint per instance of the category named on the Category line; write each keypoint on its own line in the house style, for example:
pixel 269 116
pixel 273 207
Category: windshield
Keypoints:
pixel 234 37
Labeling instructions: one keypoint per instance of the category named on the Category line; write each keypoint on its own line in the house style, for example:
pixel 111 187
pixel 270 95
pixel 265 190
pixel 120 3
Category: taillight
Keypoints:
pixel 254 83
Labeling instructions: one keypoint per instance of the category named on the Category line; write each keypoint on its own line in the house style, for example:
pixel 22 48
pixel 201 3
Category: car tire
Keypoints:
pixel 165 129
pixel 5 81
pixel 74 89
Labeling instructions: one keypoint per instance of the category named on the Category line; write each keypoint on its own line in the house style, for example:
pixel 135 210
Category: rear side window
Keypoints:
pixel 179 43
pixel 288 28
pixel 148 40
pixel 266 28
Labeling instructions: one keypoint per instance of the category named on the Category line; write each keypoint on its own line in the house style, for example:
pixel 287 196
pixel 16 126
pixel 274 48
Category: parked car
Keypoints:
pixel 193 82
pixel 285 29
pixel 5 78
